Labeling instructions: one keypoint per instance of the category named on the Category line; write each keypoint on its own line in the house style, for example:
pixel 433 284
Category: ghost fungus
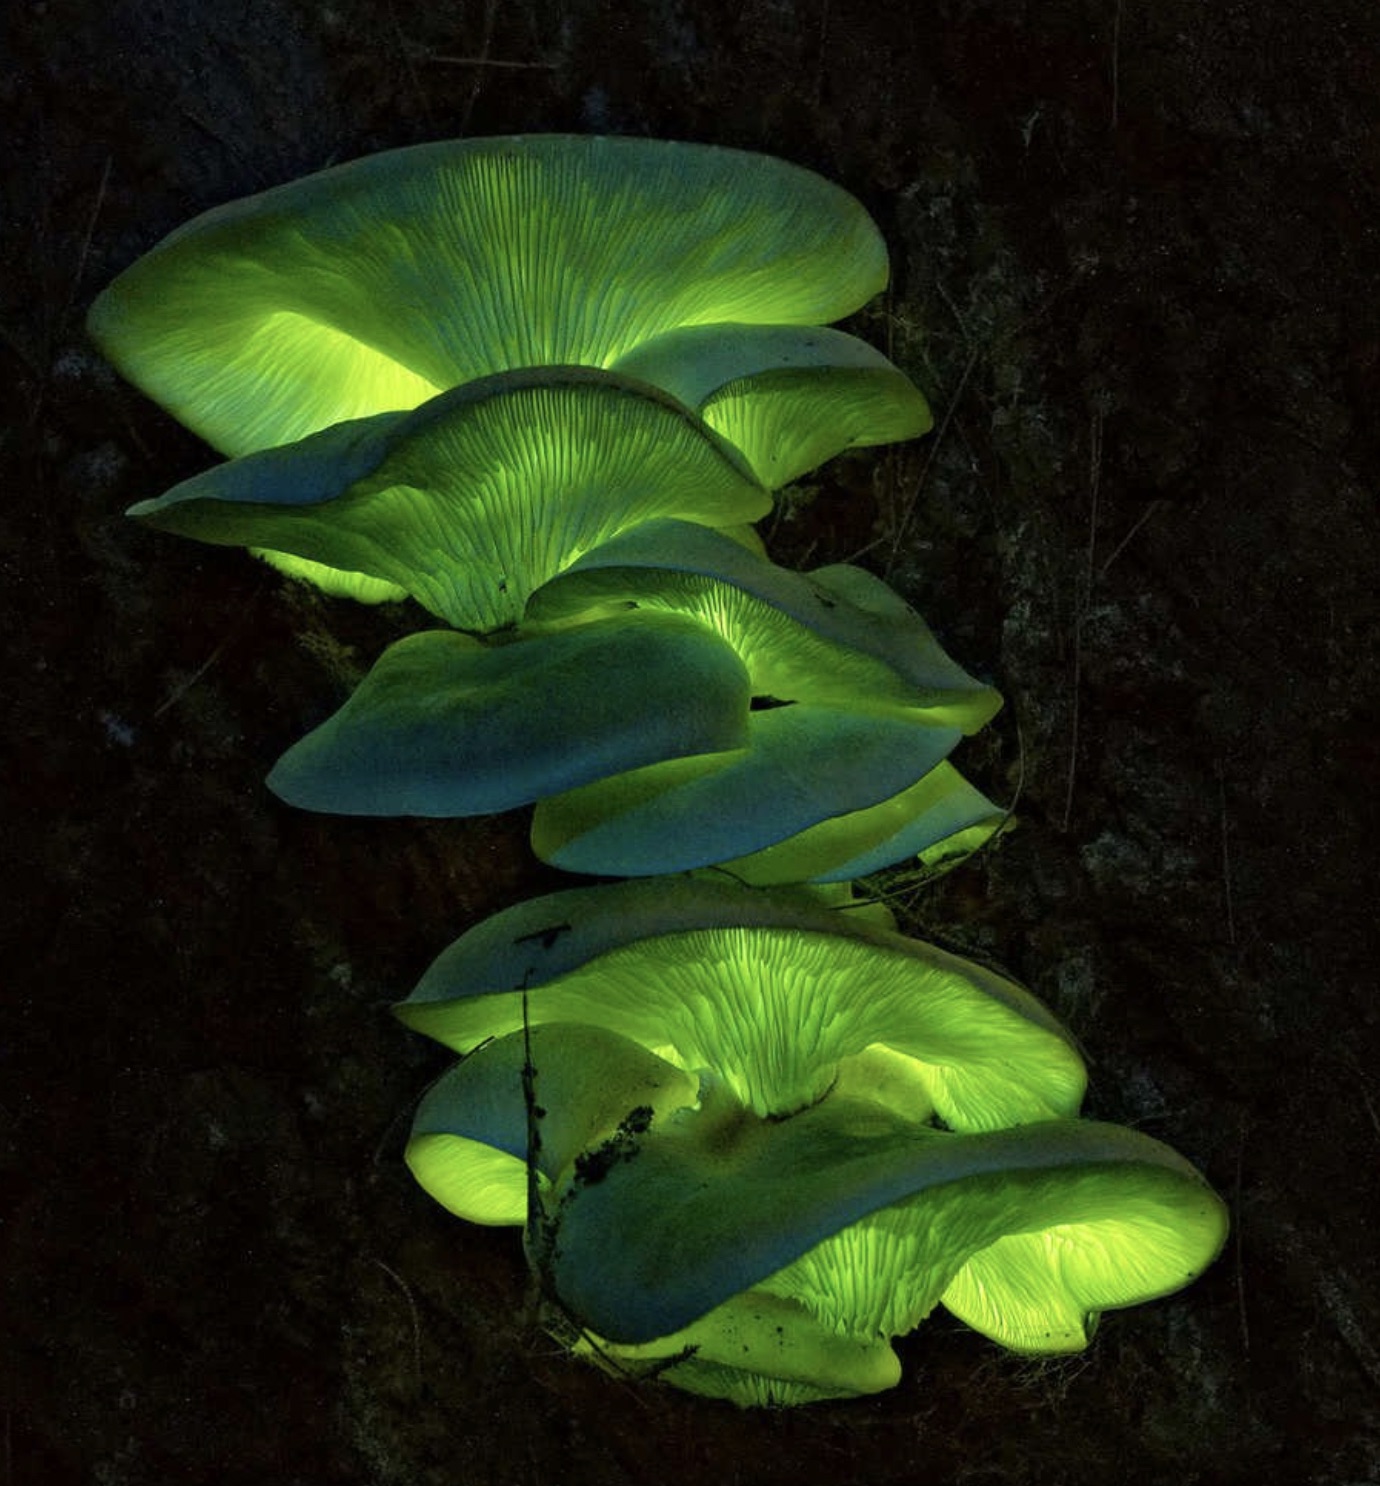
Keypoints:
pixel 372 286
pixel 776 994
pixel 802 766
pixel 937 821
pixel 770 1260
pixel 788 397
pixel 474 1148
pixel 471 501
pixel 847 778
pixel 444 725
pixel 837 636
pixel 875 707
pixel 868 1221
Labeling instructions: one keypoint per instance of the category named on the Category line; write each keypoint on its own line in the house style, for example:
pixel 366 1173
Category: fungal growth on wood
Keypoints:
pixel 540 386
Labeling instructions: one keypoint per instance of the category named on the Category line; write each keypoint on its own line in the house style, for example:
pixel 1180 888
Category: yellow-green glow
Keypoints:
pixel 838 637
pixel 477 498
pixel 941 815
pixel 473 1134
pixel 788 398
pixel 471 1179
pixel 867 1220
pixel 789 423
pixel 803 764
pixel 841 782
pixel 776 1013
pixel 334 581
pixel 331 297
pixel 786 659
pixel 755 1350
pixel 771 1259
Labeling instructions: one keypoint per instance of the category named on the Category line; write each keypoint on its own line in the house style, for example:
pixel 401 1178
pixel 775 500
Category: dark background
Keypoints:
pixel 1135 267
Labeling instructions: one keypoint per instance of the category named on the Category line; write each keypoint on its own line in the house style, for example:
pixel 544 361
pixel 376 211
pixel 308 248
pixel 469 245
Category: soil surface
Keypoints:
pixel 1135 257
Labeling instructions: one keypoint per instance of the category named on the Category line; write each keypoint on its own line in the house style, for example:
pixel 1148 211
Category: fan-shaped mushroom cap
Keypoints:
pixel 938 820
pixel 720 1249
pixel 875 706
pixel 867 1221
pixel 788 397
pixel 772 992
pixel 802 766
pixel 444 725
pixel 372 286
pixel 837 636
pixel 477 498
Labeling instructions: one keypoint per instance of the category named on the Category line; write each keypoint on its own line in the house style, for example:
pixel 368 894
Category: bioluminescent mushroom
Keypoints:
pixel 875 705
pixel 774 993
pixel 938 821
pixel 372 286
pixel 720 1250
pixel 445 725
pixel 805 768
pixel 837 636
pixel 788 397
pixel 471 501
pixel 845 779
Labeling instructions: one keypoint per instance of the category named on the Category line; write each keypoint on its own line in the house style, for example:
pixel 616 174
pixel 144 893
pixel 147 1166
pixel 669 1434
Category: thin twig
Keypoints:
pixel 535 1228
pixel 412 1308
pixel 936 444
pixel 493 62
pixel 1084 603
pixel 87 237
pixel 486 42
pixel 1226 854
pixel 1116 63
pixel 405 52
pixel 820 55
pixel 1136 525
pixel 178 692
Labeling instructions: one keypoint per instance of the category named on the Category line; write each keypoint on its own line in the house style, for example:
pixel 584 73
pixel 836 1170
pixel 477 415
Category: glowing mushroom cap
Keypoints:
pixel 838 636
pixel 868 1221
pixel 775 994
pixel 475 499
pixel 788 397
pixel 373 286
pixel 859 707
pixel 444 726
pixel 698 1240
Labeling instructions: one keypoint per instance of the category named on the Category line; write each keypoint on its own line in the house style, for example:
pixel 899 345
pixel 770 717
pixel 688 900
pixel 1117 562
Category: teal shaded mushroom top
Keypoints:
pixel 474 499
pixel 770 1260
pixel 775 994
pixel 372 286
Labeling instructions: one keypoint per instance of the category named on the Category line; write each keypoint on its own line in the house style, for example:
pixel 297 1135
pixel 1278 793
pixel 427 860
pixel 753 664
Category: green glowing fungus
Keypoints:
pixel 471 501
pixel 445 725
pixel 772 991
pixel 862 708
pixel 848 777
pixel 375 285
pixel 772 1259
pixel 788 397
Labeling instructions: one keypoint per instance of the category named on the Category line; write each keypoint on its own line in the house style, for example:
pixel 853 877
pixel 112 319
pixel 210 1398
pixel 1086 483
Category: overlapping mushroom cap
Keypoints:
pixel 775 994
pixel 843 771
pixel 373 286
pixel 788 397
pixel 849 777
pixel 473 500
pixel 445 725
pixel 772 1259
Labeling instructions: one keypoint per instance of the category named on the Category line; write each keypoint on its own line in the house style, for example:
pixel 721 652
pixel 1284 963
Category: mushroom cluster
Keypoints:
pixel 542 385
